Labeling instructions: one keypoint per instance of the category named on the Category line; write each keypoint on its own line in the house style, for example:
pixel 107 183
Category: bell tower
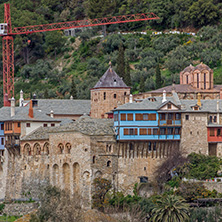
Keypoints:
pixel 108 93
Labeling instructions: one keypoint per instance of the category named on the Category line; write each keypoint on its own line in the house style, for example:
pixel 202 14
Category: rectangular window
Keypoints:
pixel 130 116
pixel 123 117
pixel 149 146
pixel 212 132
pixel 170 116
pixel 162 131
pixel 126 132
pixel 169 106
pixel 211 119
pixel 2 141
pixel 215 119
pixel 104 96
pixel 155 131
pixel 154 146
pixel 149 131
pixel 143 131
pixel 162 116
pixel 2 126
pixel 18 125
pixel 169 131
pixel 45 125
pixel 139 116
pixel 177 131
pixel 114 96
pixel 178 116
pixel 52 124
pixel 218 132
pixel 187 117
pixel 152 117
pixel 145 116
pixel 115 117
pixel 28 124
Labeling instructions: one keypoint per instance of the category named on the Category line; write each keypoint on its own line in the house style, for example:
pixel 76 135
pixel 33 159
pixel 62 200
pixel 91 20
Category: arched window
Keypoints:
pixel 204 80
pixel 108 163
pixel 104 95
pixel 114 96
pixel 61 148
pixel 37 149
pixel 197 80
pixel 27 149
pixel 46 148
pixel 94 159
pixel 68 147
pixel 187 78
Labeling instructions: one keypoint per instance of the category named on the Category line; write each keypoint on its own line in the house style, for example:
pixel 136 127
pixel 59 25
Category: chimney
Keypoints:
pixel 71 97
pixel 34 101
pixel 52 114
pixel 21 100
pixel 12 106
pixel 30 110
pixel 198 100
pixel 131 98
pixel 6 100
pixel 164 96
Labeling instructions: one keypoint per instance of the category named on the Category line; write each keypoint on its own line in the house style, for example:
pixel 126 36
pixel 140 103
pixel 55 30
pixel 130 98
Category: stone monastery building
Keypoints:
pixel 125 149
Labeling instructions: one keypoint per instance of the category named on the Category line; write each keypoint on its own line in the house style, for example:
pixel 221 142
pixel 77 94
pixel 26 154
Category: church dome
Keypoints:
pixel 188 68
pixel 202 66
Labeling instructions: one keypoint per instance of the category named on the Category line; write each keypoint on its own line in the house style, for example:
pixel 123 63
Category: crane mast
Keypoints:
pixel 8 32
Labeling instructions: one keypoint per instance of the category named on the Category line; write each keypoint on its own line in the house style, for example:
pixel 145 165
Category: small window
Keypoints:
pixel 143 131
pixel 94 159
pixel 215 119
pixel 211 119
pixel 2 141
pixel 218 132
pixel 154 146
pixel 139 116
pixel 114 96
pixel 170 116
pixel 18 125
pixel 196 107
pixel 169 106
pixel 2 126
pixel 123 117
pixel 149 146
pixel 108 163
pixel 104 95
pixel 187 117
pixel 178 116
pixel 155 131
pixel 130 116
pixel 144 168
pixel 131 131
pixel 52 124
pixel 170 131
pixel 124 93
pixel 152 117
pixel 162 131
pixel 145 116
pixel 28 125
pixel 162 116
pixel 45 125
pixel 212 132
pixel 177 131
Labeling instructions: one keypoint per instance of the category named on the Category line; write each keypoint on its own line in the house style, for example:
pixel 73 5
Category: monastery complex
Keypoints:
pixel 118 136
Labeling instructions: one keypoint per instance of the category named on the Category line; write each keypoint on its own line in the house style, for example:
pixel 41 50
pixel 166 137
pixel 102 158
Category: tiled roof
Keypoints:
pixel 110 80
pixel 84 124
pixel 63 106
pixel 188 68
pixel 184 88
pixel 21 114
pixel 202 66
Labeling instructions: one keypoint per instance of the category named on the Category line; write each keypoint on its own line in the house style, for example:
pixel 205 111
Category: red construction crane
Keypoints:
pixel 7 32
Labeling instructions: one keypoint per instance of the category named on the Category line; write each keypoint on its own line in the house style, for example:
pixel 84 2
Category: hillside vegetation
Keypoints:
pixel 55 66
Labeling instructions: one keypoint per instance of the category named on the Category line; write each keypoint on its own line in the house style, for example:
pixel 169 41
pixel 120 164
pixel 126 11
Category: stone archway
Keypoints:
pixel 46 148
pixel 36 149
pixel 66 176
pixel 27 149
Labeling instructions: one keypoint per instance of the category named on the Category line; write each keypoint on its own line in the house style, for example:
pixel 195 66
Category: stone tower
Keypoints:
pixel 108 93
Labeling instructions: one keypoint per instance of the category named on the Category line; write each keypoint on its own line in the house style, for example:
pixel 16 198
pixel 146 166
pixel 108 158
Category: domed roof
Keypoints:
pixel 202 66
pixel 188 68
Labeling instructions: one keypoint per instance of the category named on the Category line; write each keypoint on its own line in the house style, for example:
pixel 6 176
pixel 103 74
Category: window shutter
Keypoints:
pixel 126 132
pixel 123 117
pixel 130 116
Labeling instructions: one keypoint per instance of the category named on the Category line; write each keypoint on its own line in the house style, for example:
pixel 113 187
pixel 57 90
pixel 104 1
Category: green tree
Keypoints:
pixel 101 187
pixel 73 91
pixel 158 77
pixel 142 84
pixel 121 62
pixel 170 209
pixel 127 78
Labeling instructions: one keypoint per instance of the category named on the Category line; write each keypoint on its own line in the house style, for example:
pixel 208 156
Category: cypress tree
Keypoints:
pixel 158 77
pixel 121 62
pixel 142 84
pixel 46 94
pixel 127 78
pixel 73 91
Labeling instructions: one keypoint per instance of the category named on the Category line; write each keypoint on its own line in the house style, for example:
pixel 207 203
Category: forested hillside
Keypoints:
pixel 56 66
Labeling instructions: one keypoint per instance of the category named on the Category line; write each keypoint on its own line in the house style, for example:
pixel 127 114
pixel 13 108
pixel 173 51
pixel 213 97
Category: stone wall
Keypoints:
pixel 194 133
pixel 213 185
pixel 17 209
